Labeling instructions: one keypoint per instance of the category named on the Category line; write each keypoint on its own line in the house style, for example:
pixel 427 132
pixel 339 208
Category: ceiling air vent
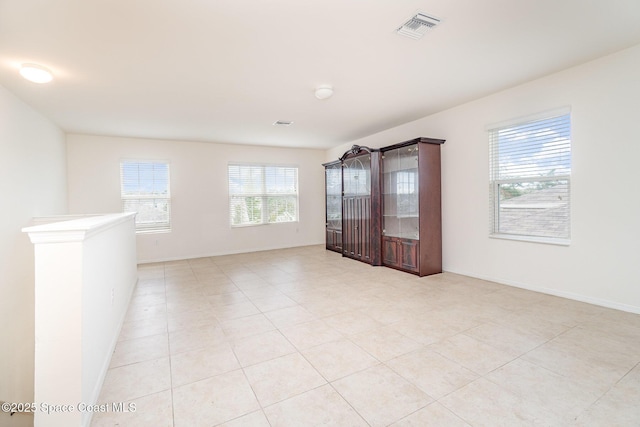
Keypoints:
pixel 283 123
pixel 417 25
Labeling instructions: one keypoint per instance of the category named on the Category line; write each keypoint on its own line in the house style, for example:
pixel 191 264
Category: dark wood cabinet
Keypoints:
pixel 333 203
pixel 412 224
pixel 390 208
pixel 361 207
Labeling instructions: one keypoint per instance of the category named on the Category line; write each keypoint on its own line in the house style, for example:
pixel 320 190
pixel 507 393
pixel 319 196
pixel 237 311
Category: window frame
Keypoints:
pixel 148 227
pixel 495 181
pixel 264 195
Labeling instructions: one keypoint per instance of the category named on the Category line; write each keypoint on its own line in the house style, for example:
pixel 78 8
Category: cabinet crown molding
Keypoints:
pixel 355 149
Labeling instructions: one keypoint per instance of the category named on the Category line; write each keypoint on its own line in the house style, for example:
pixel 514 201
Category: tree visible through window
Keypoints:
pixel 145 190
pixel 262 194
pixel 530 179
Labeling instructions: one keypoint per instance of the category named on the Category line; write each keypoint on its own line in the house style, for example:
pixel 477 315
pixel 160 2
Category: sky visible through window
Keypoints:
pixel 145 178
pixel 540 148
pixel 251 179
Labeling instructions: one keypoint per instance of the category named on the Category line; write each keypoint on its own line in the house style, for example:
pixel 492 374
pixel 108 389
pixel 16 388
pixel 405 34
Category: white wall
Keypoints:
pixel 602 263
pixel 32 183
pixel 199 192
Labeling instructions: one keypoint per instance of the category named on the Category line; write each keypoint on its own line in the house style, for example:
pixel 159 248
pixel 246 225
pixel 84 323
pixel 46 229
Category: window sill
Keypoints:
pixel 262 223
pixel 532 239
pixel 153 231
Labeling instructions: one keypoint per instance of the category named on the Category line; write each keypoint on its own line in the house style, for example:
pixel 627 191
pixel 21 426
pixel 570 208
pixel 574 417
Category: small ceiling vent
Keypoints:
pixel 418 25
pixel 283 123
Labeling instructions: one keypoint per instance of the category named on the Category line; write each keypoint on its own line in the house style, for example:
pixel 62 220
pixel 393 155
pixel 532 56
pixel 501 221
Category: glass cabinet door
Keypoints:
pixel 333 177
pixel 356 207
pixel 401 193
pixel 357 176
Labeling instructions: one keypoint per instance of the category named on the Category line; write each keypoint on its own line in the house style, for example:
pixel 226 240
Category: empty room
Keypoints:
pixel 339 213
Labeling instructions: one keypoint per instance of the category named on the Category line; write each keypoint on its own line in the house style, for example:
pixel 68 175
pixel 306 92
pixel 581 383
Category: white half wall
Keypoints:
pixel 32 183
pixel 199 193
pixel 85 275
pixel 600 265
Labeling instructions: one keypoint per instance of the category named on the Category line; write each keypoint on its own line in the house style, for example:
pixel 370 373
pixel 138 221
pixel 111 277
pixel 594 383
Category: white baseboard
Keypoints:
pixel 212 254
pixel 555 292
pixel 95 394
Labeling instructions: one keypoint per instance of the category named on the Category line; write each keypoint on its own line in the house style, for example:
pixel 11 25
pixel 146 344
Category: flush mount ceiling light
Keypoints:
pixel 418 25
pixel 324 92
pixel 36 73
pixel 282 123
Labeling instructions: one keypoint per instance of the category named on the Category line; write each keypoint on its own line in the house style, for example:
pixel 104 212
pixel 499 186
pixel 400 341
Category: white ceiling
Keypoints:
pixel 225 70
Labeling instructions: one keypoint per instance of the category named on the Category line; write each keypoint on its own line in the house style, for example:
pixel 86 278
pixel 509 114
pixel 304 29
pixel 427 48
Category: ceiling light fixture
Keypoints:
pixel 36 73
pixel 324 92
pixel 282 123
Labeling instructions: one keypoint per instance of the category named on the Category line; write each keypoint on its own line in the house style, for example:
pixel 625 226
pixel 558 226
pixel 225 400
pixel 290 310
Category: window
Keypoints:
pixel 145 190
pixel 407 194
pixel 530 167
pixel 262 194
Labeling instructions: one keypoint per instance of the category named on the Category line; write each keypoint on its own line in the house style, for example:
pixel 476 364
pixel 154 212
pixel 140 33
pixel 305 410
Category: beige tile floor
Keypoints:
pixel 304 337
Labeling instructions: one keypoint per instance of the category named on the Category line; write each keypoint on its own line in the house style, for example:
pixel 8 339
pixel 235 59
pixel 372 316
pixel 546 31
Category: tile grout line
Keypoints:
pixel 255 396
pixel 166 302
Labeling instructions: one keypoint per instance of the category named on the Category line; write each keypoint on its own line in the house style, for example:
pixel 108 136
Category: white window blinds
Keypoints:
pixel 145 190
pixel 530 167
pixel 262 194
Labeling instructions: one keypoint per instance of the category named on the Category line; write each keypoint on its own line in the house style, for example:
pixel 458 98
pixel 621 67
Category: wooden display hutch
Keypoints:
pixel 391 208
pixel 412 223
